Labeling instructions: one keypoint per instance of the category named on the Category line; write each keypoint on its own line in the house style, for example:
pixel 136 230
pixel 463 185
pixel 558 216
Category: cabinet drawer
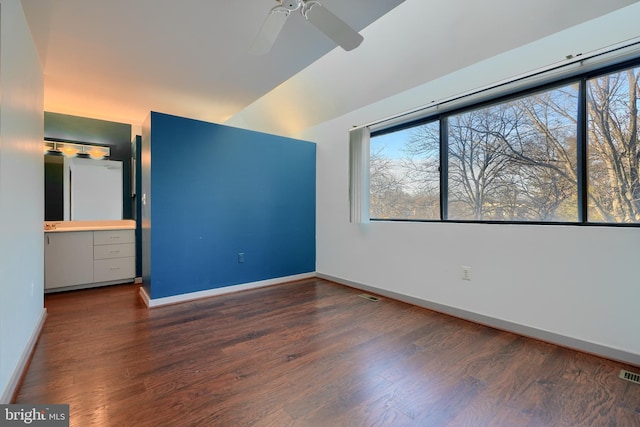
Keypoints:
pixel 109 237
pixel 122 250
pixel 114 269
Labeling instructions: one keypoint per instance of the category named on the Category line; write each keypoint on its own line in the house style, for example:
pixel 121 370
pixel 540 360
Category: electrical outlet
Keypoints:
pixel 240 257
pixel 465 272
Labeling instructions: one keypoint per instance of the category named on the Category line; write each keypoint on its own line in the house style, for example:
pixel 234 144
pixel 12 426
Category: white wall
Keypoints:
pixel 575 285
pixel 21 193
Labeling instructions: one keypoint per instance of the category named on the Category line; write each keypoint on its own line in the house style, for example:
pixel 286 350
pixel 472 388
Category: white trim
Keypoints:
pixel 157 302
pixel 527 331
pixel 23 363
pixel 146 299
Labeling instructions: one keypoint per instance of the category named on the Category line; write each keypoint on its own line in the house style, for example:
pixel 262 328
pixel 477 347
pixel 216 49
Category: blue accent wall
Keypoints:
pixel 218 191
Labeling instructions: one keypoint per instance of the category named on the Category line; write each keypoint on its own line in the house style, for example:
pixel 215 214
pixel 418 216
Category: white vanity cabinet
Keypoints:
pixel 77 259
pixel 114 255
pixel 68 259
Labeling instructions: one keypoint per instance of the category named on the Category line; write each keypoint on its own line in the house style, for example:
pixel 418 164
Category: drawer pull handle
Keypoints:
pixel 114 268
pixel 114 237
pixel 114 252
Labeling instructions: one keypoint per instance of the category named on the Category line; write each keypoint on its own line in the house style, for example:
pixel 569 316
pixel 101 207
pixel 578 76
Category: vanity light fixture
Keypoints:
pixel 83 153
pixel 99 152
pixel 70 149
pixel 52 150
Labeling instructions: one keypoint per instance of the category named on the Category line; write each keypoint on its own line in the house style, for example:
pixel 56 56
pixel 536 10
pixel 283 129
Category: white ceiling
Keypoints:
pixel 123 58
pixel 119 59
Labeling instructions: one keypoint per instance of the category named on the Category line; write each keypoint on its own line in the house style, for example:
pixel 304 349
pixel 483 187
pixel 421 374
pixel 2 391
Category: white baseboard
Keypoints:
pixel 14 381
pixel 157 302
pixel 146 299
pixel 539 334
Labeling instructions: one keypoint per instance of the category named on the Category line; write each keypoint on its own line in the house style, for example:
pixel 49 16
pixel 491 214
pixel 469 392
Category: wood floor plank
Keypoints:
pixel 308 353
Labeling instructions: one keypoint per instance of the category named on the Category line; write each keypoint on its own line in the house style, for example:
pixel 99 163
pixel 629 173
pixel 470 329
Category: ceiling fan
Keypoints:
pixel 313 11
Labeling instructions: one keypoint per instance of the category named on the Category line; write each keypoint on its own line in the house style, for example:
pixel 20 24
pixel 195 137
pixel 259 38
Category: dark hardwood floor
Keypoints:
pixel 309 353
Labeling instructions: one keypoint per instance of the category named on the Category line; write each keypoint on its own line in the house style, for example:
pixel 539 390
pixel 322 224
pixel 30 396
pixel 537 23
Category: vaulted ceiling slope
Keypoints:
pixel 120 59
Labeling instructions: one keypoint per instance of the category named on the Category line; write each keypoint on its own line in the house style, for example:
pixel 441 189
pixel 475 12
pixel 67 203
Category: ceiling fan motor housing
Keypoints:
pixel 291 5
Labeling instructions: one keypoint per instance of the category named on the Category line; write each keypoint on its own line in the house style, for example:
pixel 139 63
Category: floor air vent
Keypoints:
pixel 630 376
pixel 369 297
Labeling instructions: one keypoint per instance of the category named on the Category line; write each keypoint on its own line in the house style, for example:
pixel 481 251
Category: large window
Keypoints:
pixel 565 154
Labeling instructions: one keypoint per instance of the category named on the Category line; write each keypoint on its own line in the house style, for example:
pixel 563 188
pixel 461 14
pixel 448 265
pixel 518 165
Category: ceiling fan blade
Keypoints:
pixel 332 26
pixel 270 30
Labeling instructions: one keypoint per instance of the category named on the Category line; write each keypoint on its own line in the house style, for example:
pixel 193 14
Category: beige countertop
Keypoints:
pixel 66 226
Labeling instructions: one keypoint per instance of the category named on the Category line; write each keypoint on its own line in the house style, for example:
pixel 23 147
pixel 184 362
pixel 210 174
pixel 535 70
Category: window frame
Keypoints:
pixel 506 95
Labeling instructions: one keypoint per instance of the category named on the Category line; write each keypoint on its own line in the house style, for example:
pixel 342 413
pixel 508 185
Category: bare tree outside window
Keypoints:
pixel 404 177
pixel 613 147
pixel 515 161
pixel 546 151
pixel 481 185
